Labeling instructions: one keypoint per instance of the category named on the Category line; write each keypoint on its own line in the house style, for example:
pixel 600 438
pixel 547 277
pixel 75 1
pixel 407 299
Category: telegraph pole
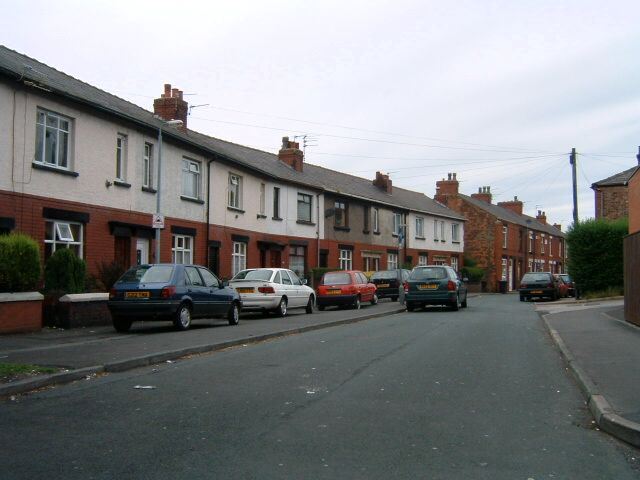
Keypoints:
pixel 573 161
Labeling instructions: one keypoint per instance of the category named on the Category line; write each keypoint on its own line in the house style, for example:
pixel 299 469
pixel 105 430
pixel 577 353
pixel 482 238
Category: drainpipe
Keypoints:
pixel 317 230
pixel 208 206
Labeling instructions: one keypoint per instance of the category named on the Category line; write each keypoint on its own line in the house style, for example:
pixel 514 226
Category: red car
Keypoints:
pixel 563 287
pixel 345 288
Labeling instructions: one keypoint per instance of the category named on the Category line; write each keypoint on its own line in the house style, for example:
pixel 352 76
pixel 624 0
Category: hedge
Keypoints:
pixel 19 263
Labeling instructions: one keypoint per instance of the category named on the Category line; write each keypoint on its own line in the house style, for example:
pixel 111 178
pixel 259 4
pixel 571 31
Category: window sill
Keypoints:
pixel 456 241
pixel 304 222
pixel 261 216
pixel 342 229
pixel 149 190
pixel 366 232
pixel 120 183
pixel 277 219
pixel 191 199
pixel 420 238
pixel 48 168
pixel 235 209
pixel 377 232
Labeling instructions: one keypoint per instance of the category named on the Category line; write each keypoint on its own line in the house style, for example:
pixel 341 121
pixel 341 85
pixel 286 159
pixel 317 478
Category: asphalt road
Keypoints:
pixel 479 393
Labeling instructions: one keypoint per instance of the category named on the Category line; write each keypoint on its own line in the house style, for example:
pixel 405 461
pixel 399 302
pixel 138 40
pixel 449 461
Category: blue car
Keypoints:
pixel 171 292
pixel 435 285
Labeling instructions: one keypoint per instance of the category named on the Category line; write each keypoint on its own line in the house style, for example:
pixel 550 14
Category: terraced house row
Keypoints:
pixel 86 170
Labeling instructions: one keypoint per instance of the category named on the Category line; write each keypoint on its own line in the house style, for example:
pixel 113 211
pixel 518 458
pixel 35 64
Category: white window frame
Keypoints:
pixel 235 191
pixel 121 157
pixel 455 232
pixel 543 242
pixel 60 138
pixel 238 257
pixel 263 199
pixel 454 263
pixel 345 259
pixel 420 227
pixel 531 242
pixel 392 261
pixel 191 177
pixel 550 245
pixel 505 236
pixel 63 237
pixel 182 249
pixel 301 201
pixel 436 231
pixel 397 223
pixel 423 259
pixel 147 165
pixel 376 220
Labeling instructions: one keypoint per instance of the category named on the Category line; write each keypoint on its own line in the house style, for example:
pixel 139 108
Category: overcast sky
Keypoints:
pixel 495 91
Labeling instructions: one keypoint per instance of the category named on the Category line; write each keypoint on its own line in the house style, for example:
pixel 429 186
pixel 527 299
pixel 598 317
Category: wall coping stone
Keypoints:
pixel 84 297
pixel 21 297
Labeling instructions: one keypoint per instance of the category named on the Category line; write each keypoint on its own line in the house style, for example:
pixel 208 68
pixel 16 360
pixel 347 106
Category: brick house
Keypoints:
pixel 612 195
pixel 632 252
pixel 86 170
pixel 504 241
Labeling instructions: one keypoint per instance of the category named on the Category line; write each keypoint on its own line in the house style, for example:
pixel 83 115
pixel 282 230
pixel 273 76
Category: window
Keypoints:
pixel 455 232
pixel 238 257
pixel 423 260
pixel 504 269
pixel 182 249
pixel 190 178
pixel 419 227
pixel 121 157
pixel 397 223
pixel 376 220
pixel 530 265
pixel 52 139
pixel 304 207
pixel 443 237
pixel 60 234
pixel 543 242
pixel 235 191
pixel 454 263
pixel 371 263
pixel 550 246
pixel 560 248
pixel 210 280
pixel 341 219
pixel 276 202
pixel 296 259
pixel 531 242
pixel 147 166
pixel 345 259
pixel 366 218
pixel 436 230
pixel 193 277
pixel 392 261
pixel 505 236
pixel 263 199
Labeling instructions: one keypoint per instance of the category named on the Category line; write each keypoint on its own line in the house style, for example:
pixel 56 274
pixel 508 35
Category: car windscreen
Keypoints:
pixel 336 279
pixel 385 274
pixel 262 275
pixel 148 274
pixel 428 273
pixel 535 277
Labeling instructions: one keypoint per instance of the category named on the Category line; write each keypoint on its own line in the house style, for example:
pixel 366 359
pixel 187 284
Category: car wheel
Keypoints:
pixel 234 314
pixel 321 308
pixel 121 324
pixel 309 308
pixel 464 303
pixel 374 300
pixel 183 317
pixel 521 298
pixel 455 305
pixel 410 307
pixel 281 311
pixel 356 303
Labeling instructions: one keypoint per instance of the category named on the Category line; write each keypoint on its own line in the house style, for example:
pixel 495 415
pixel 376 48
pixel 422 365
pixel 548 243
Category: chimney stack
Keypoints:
pixel 542 217
pixel 171 106
pixel 514 205
pixel 384 182
pixel 484 194
pixel 445 188
pixel 291 154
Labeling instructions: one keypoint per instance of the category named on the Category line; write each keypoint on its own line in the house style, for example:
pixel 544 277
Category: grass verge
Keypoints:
pixel 11 372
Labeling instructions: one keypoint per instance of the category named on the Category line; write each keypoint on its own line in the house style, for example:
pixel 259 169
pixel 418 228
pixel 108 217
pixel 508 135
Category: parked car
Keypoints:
pixel 434 285
pixel 538 285
pixel 389 282
pixel 345 288
pixel 171 292
pixel 563 288
pixel 272 290
pixel 569 281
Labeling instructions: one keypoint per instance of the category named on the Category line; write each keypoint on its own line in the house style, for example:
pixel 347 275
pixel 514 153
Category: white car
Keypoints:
pixel 272 290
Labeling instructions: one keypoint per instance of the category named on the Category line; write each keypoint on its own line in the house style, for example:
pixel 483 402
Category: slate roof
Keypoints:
pixel 619 179
pixel 36 74
pixel 510 216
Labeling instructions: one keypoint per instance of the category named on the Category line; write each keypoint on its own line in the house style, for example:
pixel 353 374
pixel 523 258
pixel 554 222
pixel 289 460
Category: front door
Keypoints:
pixel 142 251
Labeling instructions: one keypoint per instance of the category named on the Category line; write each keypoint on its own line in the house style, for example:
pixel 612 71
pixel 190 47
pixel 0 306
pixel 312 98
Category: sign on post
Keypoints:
pixel 158 221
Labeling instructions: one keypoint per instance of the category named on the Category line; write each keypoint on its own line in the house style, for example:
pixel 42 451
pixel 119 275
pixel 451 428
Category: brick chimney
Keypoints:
pixel 542 217
pixel 484 194
pixel 291 154
pixel 445 188
pixel 171 106
pixel 514 205
pixel 558 226
pixel 384 182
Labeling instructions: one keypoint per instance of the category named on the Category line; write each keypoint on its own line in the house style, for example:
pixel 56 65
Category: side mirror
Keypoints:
pixel 304 281
pixel 225 283
pixel 465 279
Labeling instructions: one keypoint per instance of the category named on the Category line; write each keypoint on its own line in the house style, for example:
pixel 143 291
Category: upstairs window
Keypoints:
pixel 397 223
pixel 121 157
pixel 505 236
pixel 276 203
pixel 52 139
pixel 235 191
pixel 190 178
pixel 304 207
pixel 376 220
pixel 341 219
pixel 419 227
pixel 263 199
pixel 455 232
pixel 147 166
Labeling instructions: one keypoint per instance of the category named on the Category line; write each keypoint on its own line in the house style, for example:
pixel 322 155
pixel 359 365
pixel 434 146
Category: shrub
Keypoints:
pixel 64 272
pixel 472 271
pixel 19 263
pixel 596 254
pixel 108 274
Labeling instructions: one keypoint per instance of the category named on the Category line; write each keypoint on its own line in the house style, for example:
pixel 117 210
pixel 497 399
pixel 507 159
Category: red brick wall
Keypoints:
pixel 611 202
pixel 634 203
pixel 19 317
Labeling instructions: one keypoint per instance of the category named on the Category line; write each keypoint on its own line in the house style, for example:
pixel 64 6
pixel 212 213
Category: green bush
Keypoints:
pixel 19 263
pixel 595 249
pixel 472 271
pixel 65 272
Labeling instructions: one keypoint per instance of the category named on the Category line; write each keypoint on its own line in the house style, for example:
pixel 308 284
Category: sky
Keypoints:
pixel 498 92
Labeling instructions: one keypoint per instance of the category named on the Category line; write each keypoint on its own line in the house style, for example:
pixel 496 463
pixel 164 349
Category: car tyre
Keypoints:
pixel 183 317
pixel 309 308
pixel 521 298
pixel 121 325
pixel 321 308
pixel 455 305
pixel 234 314
pixel 410 307
pixel 356 303
pixel 374 300
pixel 464 303
pixel 281 311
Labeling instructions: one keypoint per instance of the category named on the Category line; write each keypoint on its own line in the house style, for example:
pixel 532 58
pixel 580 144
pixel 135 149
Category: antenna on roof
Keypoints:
pixel 191 107
pixel 307 141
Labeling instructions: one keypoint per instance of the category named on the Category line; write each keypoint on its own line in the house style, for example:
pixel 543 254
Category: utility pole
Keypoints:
pixel 573 160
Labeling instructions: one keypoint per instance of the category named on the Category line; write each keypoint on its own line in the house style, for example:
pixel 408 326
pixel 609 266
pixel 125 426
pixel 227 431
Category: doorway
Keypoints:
pixel 142 251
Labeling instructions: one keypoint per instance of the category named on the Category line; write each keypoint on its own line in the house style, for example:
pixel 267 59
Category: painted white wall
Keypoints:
pixel 428 243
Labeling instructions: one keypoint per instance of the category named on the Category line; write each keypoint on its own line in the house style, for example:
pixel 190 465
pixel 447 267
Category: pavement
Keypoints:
pixel 600 348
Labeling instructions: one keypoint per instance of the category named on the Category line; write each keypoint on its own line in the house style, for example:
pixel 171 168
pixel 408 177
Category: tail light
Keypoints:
pixel 266 290
pixel 451 286
pixel 406 287
pixel 112 294
pixel 168 291
pixel 350 290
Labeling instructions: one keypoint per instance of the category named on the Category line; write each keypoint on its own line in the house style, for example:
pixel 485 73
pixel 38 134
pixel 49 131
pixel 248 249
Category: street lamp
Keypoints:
pixel 159 220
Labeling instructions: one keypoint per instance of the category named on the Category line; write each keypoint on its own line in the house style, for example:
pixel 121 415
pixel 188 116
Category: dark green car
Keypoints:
pixel 435 285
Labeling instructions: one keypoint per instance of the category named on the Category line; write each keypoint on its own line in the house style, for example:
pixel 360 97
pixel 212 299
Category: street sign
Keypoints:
pixel 158 221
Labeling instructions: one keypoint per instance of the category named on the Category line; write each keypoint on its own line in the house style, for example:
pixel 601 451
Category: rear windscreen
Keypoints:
pixel 263 275
pixel 386 274
pixel 336 279
pixel 148 274
pixel 535 277
pixel 428 274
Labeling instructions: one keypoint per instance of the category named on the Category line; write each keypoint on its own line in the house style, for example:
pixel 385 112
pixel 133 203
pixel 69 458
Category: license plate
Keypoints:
pixel 334 292
pixel 382 285
pixel 136 295
pixel 427 287
pixel 244 290
pixel 539 292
